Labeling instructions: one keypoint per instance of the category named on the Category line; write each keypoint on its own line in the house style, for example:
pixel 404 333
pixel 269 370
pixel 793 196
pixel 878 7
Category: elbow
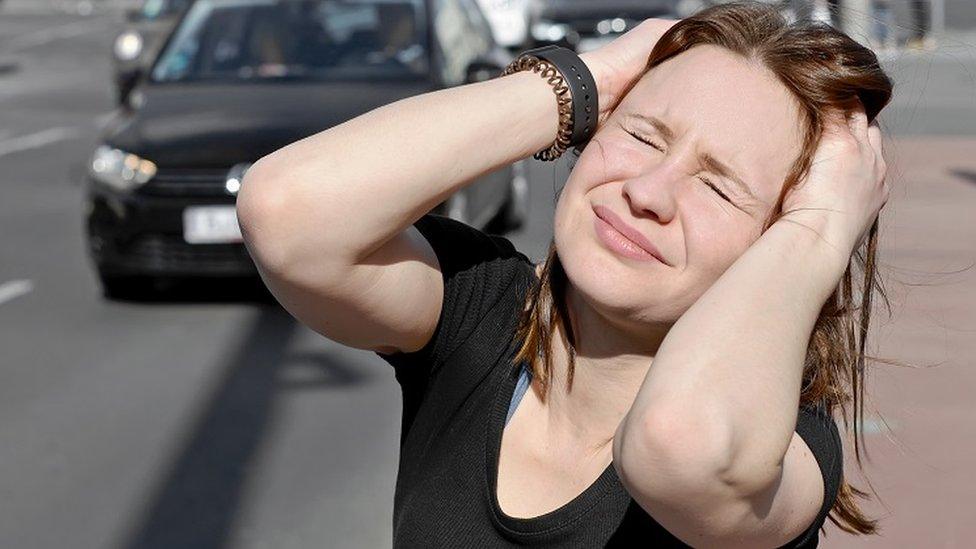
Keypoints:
pixel 662 456
pixel 262 208
pixel 680 469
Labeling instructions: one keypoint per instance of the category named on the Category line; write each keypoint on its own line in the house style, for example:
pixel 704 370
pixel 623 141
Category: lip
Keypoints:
pixel 622 238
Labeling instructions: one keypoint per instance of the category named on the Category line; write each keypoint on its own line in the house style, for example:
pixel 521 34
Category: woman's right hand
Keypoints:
pixel 617 65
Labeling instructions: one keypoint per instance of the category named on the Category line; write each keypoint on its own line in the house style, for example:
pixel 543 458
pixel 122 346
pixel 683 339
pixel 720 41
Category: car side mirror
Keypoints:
pixel 480 70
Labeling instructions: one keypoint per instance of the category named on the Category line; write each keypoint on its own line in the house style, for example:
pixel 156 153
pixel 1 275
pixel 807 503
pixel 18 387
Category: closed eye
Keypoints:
pixel 645 140
pixel 706 181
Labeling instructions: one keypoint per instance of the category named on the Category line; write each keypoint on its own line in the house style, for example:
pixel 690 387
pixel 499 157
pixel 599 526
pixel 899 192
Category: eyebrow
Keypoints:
pixel 710 162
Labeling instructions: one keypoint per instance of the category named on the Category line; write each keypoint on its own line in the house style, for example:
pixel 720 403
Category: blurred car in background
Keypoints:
pixel 509 20
pixel 145 31
pixel 584 25
pixel 239 79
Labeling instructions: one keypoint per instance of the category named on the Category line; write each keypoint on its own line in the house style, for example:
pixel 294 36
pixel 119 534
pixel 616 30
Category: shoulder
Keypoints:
pixel 485 282
pixel 819 432
pixel 460 247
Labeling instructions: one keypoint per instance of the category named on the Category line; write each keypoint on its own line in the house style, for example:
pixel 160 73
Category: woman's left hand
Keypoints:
pixel 617 65
pixel 845 188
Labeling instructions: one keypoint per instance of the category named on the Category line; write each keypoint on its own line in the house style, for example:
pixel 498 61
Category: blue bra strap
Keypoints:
pixel 524 380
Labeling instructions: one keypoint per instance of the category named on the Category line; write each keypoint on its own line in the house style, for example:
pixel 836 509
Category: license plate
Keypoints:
pixel 211 225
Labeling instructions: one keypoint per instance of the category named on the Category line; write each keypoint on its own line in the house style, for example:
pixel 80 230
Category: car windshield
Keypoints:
pixel 299 39
pixel 156 9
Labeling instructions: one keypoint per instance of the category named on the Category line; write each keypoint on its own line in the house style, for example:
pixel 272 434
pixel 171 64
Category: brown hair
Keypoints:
pixel 825 70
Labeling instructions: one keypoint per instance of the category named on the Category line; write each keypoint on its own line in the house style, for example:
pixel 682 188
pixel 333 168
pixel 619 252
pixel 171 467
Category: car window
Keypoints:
pixel 262 39
pixel 459 37
pixel 479 22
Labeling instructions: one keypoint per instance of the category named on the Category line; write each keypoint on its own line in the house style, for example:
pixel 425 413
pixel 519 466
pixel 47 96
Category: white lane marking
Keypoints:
pixel 45 36
pixel 14 289
pixel 35 140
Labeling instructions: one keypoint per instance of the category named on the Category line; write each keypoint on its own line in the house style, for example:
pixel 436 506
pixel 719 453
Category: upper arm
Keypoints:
pixel 709 513
pixel 389 302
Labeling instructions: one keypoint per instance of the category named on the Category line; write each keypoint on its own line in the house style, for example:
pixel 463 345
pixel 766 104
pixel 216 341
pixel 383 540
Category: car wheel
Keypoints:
pixel 123 287
pixel 514 212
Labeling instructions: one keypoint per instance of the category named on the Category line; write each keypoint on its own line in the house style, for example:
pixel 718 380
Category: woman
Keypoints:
pixel 691 331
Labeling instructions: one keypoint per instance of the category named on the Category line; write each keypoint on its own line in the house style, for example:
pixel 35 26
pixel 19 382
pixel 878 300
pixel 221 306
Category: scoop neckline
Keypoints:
pixel 560 518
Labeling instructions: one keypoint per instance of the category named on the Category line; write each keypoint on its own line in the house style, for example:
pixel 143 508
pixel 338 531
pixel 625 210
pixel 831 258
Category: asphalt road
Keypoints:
pixel 208 417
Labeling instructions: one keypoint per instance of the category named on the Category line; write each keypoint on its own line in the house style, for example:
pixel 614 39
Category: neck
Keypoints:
pixel 611 363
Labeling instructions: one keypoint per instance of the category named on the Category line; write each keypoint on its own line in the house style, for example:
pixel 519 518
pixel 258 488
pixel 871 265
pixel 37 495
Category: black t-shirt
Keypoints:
pixel 456 393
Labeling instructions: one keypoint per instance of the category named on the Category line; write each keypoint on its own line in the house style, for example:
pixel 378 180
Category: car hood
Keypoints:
pixel 219 125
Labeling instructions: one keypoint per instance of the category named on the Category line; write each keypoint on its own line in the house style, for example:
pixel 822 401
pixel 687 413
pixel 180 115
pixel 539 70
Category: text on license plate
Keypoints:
pixel 211 225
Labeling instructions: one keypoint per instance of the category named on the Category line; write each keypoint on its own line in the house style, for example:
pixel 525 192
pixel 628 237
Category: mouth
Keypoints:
pixel 623 239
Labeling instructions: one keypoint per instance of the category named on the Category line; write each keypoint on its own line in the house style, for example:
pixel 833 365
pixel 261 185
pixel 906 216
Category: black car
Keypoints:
pixel 144 33
pixel 239 79
pixel 586 24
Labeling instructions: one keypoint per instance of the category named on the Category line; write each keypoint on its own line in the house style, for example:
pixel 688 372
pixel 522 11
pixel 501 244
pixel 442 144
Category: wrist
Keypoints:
pixel 822 235
pixel 575 90
pixel 604 83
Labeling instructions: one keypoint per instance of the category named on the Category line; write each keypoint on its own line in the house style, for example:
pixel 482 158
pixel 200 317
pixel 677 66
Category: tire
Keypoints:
pixel 123 287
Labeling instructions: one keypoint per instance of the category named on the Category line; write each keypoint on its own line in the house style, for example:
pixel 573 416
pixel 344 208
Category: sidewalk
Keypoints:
pixel 922 467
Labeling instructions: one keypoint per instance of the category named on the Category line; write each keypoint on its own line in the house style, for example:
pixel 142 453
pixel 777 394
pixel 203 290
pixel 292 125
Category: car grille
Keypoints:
pixel 186 182
pixel 166 253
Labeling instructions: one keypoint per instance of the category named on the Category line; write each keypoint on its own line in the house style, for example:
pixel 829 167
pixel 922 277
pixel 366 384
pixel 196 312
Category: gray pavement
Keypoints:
pixel 209 418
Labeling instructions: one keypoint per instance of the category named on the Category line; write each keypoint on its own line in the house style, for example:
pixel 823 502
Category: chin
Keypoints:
pixel 618 291
pixel 624 291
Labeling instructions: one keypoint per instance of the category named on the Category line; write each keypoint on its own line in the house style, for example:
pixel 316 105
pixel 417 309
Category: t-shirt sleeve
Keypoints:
pixel 818 429
pixel 478 270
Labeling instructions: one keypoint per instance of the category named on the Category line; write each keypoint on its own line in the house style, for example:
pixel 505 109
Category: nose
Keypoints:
pixel 652 194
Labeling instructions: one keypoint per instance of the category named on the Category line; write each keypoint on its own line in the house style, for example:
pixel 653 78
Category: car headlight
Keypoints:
pixel 120 170
pixel 128 46
pixel 547 30
pixel 232 183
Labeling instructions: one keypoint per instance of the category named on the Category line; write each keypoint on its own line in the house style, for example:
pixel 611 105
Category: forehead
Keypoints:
pixel 729 107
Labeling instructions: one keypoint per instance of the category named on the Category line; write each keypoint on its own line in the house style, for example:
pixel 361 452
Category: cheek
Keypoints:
pixel 605 159
pixel 602 162
pixel 713 242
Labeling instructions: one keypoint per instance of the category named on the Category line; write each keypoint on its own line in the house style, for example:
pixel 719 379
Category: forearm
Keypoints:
pixel 342 193
pixel 731 367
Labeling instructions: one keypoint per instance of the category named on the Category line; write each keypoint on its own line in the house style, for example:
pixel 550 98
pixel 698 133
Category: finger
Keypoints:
pixel 835 122
pixel 858 122
pixel 875 138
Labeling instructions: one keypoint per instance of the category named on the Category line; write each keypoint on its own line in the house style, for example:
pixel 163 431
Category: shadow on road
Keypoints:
pixel 968 175
pixel 196 502
pixel 8 67
pixel 316 371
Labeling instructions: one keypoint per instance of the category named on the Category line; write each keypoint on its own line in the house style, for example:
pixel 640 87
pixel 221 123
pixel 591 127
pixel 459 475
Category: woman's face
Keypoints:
pixel 690 164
